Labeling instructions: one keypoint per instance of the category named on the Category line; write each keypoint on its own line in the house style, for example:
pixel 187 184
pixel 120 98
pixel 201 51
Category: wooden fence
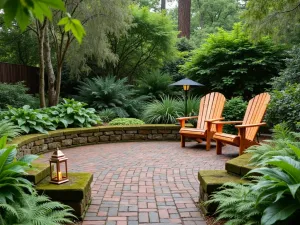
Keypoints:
pixel 12 73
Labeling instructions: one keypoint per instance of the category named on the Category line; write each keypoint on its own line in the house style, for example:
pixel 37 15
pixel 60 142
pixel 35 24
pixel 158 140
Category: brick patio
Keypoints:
pixel 144 182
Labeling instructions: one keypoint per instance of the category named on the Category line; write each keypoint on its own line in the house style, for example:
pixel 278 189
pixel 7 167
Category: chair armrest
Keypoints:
pixel 250 125
pixel 213 120
pixel 187 118
pixel 227 122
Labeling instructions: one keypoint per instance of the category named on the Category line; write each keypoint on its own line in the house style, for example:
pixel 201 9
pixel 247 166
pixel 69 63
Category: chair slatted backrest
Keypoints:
pixel 211 107
pixel 255 112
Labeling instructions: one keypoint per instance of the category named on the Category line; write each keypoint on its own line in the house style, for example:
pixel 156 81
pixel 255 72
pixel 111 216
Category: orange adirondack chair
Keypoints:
pixel 211 108
pixel 255 112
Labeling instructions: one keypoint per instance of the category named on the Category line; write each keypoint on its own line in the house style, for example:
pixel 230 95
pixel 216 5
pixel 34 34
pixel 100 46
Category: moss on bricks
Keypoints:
pixel 110 128
pixel 69 131
pixel 239 165
pixel 25 139
pixel 74 190
pixel 210 180
pixel 38 172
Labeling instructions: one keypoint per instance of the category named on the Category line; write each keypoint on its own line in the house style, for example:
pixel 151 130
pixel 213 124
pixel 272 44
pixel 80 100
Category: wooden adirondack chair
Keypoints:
pixel 211 108
pixel 249 126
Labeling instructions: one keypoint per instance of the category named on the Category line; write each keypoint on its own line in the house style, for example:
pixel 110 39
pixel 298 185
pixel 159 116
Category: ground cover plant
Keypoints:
pixel 274 196
pixel 126 121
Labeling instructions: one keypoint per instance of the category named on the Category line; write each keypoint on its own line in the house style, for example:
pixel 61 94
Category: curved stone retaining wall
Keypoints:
pixel 71 137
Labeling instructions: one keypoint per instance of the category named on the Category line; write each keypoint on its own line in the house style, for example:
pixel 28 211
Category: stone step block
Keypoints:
pixel 37 172
pixel 239 165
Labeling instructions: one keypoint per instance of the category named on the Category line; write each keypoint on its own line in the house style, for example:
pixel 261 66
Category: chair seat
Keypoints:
pixel 227 138
pixel 192 132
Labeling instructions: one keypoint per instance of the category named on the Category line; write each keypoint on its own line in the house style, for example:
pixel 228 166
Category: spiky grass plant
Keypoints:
pixel 8 129
pixel 164 111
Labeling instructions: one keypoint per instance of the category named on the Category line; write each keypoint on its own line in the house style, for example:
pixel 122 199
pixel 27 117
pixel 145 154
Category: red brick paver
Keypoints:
pixel 144 182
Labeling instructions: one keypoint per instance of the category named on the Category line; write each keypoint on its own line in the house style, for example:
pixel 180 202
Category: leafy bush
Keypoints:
pixel 284 106
pixel 234 110
pixel 273 197
pixel 111 93
pixel 107 115
pixel 9 130
pixel 126 121
pixel 19 202
pixel 71 113
pixel 154 84
pixel 29 120
pixel 15 95
pixel 291 74
pixel 230 63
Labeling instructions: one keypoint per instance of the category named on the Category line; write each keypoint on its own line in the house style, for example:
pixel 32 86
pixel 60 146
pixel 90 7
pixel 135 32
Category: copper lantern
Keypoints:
pixel 58 168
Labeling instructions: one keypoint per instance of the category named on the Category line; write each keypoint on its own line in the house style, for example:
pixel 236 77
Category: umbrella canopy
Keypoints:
pixel 186 81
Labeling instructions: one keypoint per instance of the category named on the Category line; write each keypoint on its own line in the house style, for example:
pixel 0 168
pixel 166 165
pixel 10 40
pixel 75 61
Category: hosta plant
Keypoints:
pixel 29 120
pixel 71 113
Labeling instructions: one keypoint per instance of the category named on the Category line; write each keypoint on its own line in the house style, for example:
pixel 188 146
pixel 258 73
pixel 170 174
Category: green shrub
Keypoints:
pixel 111 93
pixel 9 130
pixel 15 95
pixel 229 62
pixel 19 202
pixel 107 115
pixel 71 113
pixel 234 110
pixel 155 84
pixel 284 107
pixel 29 120
pixel 126 121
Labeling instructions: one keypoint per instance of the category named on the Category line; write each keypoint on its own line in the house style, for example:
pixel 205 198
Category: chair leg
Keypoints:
pixel 242 148
pixel 219 147
pixel 208 140
pixel 182 141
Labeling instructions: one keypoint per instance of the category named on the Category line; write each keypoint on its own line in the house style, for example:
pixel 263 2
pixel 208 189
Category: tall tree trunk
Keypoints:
pixel 163 4
pixel 41 38
pixel 50 71
pixel 184 18
pixel 58 83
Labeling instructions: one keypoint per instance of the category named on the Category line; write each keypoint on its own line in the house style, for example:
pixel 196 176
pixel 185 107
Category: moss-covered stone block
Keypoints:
pixel 37 172
pixel 239 165
pixel 210 180
pixel 75 193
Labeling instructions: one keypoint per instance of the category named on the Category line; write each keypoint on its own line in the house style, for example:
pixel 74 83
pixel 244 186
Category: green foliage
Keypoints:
pixel 126 121
pixel 166 110
pixel 284 106
pixel 111 93
pixel 234 110
pixel 15 95
pixel 290 74
pixel 107 115
pixel 71 113
pixel 154 84
pixel 230 63
pixel 150 41
pixel 29 120
pixel 279 18
pixel 163 111
pixel 19 202
pixel 273 197
pixel 9 130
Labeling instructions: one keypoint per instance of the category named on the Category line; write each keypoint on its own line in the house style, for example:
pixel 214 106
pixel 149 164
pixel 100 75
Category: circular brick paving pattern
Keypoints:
pixel 144 182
